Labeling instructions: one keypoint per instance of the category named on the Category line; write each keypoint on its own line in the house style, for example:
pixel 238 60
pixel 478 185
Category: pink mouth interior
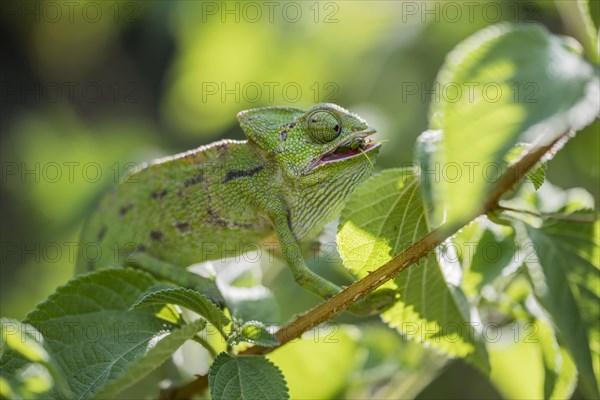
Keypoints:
pixel 345 152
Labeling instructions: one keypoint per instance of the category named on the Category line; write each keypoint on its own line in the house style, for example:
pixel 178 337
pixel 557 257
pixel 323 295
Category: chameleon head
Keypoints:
pixel 322 140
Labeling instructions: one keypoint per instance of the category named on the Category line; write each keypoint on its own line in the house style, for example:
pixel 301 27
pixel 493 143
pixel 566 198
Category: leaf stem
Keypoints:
pixel 562 217
pixel 206 345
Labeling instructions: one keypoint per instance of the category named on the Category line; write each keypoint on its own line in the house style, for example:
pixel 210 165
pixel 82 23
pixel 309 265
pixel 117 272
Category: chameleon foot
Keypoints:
pixel 375 303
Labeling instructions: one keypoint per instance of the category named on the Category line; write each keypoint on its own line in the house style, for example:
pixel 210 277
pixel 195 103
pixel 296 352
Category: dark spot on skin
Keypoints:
pixel 192 181
pixel 125 209
pixel 336 128
pixel 244 225
pixel 101 234
pixel 242 173
pixel 220 222
pixel 183 226
pixel 214 219
pixel 141 248
pixel 283 135
pixel 156 235
pixel 159 195
pixel 292 124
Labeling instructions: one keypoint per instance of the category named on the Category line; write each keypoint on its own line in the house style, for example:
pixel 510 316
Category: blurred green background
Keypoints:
pixel 90 88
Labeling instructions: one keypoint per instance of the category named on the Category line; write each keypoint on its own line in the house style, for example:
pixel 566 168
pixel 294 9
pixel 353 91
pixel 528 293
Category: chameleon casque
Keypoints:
pixel 288 179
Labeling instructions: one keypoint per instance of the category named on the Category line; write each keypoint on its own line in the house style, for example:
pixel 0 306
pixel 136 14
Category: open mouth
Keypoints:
pixel 353 146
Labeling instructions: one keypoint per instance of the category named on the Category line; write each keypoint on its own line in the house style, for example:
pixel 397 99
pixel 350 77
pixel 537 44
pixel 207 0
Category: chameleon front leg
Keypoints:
pixel 175 274
pixel 292 253
pixel 374 303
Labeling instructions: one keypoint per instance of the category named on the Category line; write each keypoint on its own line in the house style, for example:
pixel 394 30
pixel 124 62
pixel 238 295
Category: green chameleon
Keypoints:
pixel 289 179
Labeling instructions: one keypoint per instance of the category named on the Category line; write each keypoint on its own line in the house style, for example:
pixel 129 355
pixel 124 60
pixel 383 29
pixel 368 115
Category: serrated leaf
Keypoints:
pixel 153 357
pixel 245 377
pixel 188 298
pixel 563 263
pixel 505 83
pixel 93 337
pixel 536 175
pixel 255 332
pixel 383 217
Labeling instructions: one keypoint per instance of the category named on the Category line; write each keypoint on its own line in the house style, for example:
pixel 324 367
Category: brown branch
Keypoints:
pixel 344 299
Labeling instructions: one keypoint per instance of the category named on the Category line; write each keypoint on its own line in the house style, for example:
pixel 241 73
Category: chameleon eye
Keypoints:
pixel 323 126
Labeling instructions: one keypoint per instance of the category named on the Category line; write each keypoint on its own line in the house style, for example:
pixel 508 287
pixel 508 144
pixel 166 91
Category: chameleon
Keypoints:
pixel 286 181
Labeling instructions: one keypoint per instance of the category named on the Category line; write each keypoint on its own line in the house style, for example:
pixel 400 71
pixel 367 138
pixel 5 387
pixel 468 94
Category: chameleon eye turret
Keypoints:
pixel 323 126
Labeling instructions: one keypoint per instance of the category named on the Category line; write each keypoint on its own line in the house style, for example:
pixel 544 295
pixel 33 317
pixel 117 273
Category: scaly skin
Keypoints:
pixel 203 204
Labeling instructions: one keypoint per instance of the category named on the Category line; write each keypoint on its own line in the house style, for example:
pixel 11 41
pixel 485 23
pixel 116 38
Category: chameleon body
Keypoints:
pixel 287 181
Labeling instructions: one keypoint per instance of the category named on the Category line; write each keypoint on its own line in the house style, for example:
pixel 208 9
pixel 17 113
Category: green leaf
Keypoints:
pixel 245 377
pixel 537 174
pixel 383 217
pixel 95 340
pixel 254 332
pixel 188 298
pixel 494 256
pixel 563 263
pixel 154 356
pixel 560 374
pixel 505 84
pixel 532 363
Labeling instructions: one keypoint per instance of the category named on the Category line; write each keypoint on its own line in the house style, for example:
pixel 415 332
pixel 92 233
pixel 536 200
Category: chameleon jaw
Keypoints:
pixel 355 145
